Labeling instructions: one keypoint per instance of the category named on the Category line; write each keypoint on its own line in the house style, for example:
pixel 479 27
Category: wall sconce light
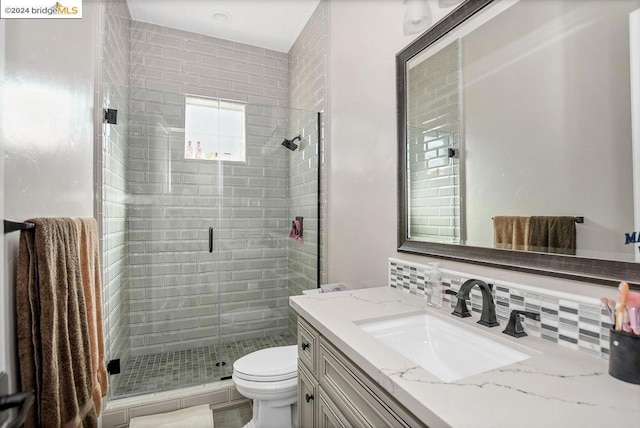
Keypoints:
pixel 417 16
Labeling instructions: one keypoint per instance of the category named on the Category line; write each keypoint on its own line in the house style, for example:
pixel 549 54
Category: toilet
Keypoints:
pixel 270 378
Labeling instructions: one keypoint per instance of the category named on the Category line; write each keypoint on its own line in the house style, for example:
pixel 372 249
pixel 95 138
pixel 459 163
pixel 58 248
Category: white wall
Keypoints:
pixel 364 37
pixel 47 124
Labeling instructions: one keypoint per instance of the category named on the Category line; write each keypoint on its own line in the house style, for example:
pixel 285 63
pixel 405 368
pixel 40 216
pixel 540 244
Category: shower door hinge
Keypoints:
pixel 452 153
pixel 113 366
pixel 111 116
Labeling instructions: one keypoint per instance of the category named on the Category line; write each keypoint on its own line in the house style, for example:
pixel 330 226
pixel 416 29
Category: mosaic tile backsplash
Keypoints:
pixel 581 324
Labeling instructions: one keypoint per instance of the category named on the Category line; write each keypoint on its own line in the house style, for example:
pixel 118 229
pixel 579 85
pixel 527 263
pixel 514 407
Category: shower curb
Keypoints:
pixel 218 395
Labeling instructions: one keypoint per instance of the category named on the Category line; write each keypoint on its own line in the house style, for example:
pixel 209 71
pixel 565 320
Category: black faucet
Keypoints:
pixel 514 326
pixel 488 317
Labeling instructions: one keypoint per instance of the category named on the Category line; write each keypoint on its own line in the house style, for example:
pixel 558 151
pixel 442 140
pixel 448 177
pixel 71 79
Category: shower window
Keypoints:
pixel 214 129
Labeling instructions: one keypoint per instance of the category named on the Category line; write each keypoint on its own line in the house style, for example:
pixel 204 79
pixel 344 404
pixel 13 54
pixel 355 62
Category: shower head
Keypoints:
pixel 289 144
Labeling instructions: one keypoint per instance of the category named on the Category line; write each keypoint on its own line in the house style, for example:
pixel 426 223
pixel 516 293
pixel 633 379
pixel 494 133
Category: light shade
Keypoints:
pixel 417 16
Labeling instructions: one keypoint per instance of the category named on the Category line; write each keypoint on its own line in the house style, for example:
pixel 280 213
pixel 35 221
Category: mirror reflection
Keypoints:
pixel 519 131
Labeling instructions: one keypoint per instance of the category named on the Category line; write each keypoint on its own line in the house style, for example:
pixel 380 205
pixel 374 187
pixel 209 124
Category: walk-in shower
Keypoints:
pixel 197 245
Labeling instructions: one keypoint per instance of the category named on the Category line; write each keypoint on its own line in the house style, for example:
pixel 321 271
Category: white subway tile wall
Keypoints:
pixel 578 323
pixel 182 296
pixel 434 127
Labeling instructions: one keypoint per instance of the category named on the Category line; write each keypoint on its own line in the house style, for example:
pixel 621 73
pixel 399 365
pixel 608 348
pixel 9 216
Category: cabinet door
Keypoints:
pixel 307 398
pixel 362 401
pixel 329 416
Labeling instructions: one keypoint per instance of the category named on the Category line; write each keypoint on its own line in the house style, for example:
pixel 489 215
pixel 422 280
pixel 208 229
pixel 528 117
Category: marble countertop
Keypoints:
pixel 555 387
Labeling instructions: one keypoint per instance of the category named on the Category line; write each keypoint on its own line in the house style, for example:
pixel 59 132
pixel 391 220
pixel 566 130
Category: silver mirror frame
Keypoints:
pixel 598 271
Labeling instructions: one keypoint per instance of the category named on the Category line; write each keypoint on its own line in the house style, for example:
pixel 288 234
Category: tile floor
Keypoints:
pixel 170 370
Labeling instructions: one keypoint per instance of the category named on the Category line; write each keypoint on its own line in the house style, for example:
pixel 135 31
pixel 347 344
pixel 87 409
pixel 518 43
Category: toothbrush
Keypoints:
pixel 634 319
pixel 612 310
pixel 626 325
pixel 610 306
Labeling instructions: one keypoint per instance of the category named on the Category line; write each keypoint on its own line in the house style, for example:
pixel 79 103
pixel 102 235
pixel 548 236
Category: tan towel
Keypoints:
pixel 553 234
pixel 53 345
pixel 521 233
pixel 87 229
pixel 511 232
pixel 503 232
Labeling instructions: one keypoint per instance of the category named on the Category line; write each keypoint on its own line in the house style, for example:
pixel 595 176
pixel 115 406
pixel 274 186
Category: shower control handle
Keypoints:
pixel 304 345
pixel 211 239
pixel 308 397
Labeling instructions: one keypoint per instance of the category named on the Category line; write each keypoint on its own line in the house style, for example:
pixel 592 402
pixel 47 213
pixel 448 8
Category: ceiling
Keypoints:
pixel 272 24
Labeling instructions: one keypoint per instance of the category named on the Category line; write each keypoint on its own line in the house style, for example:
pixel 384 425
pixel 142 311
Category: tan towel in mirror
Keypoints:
pixel 503 232
pixel 511 232
pixel 51 322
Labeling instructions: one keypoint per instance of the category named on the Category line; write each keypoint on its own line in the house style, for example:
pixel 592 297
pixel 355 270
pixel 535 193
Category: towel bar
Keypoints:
pixel 12 226
pixel 22 400
pixel 577 219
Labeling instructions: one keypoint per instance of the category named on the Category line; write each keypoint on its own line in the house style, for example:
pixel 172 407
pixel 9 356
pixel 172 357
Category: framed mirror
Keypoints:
pixel 519 138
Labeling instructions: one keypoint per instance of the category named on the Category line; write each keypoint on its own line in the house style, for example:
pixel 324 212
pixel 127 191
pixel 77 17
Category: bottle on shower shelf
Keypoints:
pixel 189 153
pixel 198 150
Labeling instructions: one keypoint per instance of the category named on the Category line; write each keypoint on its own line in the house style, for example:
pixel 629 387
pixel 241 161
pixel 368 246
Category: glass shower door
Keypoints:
pixel 170 302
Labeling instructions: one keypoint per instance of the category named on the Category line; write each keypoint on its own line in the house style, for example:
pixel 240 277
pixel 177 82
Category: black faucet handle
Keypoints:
pixel 461 309
pixel 514 326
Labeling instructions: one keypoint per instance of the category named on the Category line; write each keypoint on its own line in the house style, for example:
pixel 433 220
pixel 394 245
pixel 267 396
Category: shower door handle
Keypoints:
pixel 211 239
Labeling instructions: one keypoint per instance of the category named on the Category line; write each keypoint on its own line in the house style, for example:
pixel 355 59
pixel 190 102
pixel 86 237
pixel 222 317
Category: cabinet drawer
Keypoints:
pixel 362 401
pixel 307 398
pixel 307 344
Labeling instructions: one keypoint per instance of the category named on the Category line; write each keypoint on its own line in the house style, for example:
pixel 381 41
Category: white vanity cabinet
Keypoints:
pixel 333 391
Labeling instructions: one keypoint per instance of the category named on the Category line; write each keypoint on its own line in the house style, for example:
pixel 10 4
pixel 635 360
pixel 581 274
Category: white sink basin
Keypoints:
pixel 443 349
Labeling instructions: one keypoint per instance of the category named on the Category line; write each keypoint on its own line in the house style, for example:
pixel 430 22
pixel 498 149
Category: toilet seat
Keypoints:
pixel 275 378
pixel 268 365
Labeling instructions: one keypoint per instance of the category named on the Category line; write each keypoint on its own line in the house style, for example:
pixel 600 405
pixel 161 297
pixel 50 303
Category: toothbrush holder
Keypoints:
pixel 624 356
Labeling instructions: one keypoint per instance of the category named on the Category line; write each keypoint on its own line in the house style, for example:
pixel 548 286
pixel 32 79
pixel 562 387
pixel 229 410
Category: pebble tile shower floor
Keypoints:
pixel 170 370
